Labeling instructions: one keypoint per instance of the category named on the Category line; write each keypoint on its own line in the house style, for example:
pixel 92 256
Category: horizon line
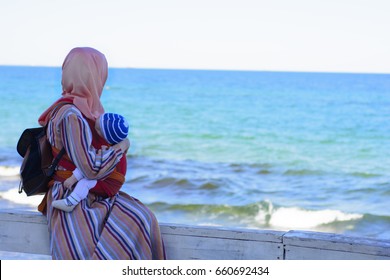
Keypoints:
pixel 215 69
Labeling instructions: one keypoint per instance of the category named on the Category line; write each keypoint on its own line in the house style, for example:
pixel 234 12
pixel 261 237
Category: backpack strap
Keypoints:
pixel 51 169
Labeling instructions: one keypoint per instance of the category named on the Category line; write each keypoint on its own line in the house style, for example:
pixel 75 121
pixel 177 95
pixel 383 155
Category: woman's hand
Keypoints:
pixel 68 183
pixel 123 145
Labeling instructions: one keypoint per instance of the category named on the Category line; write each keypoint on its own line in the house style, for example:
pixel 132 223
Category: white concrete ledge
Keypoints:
pixel 305 245
pixel 26 232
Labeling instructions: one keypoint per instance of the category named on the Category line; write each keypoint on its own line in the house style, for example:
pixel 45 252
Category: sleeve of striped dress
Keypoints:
pixel 77 140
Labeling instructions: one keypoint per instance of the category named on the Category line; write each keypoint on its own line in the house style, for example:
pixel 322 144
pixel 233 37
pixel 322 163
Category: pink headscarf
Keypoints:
pixel 84 73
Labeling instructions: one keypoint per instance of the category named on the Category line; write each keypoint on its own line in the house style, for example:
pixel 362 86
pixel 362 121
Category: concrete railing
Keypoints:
pixel 26 232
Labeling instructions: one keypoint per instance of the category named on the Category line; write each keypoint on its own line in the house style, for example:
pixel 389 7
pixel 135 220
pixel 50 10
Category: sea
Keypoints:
pixel 242 149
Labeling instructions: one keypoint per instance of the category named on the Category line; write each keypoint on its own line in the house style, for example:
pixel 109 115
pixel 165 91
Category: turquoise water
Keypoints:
pixel 249 149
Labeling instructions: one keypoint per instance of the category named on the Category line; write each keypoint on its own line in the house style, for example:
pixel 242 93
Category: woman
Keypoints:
pixel 100 227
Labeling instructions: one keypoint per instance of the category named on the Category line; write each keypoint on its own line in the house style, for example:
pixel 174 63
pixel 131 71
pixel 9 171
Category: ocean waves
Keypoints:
pixel 11 168
pixel 245 195
pixel 240 182
pixel 258 215
pixel 266 215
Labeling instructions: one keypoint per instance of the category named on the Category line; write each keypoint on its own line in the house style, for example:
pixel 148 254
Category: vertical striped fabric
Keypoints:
pixel 117 228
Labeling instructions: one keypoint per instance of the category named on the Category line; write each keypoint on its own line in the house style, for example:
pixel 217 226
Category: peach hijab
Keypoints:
pixel 84 73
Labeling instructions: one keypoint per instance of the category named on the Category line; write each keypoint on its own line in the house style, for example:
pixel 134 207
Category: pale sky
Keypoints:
pixel 275 35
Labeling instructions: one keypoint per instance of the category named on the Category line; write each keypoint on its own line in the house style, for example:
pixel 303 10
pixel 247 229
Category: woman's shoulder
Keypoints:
pixel 67 111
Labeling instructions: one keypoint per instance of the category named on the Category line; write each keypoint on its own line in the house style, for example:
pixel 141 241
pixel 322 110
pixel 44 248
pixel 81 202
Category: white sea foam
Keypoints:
pixel 7 171
pixel 297 218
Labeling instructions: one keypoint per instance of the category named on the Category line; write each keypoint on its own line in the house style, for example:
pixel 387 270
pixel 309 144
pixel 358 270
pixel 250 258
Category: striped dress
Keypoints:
pixel 118 227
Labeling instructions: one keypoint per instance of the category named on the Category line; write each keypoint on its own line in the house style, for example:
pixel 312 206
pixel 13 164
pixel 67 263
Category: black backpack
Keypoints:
pixel 38 165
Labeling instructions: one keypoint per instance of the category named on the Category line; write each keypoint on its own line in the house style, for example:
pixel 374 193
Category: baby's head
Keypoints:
pixel 112 127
